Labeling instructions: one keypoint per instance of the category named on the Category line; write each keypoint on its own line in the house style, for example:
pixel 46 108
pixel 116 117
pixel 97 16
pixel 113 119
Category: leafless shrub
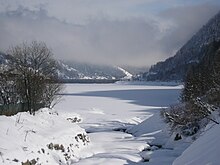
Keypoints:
pixel 36 80
pixel 187 118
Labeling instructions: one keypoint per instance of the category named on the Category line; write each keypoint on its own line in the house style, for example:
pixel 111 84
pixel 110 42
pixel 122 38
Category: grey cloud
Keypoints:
pixel 136 41
pixel 79 11
pixel 100 41
pixel 186 20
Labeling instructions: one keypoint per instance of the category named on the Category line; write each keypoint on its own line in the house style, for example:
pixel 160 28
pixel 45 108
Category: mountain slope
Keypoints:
pixel 74 70
pixel 175 68
pixel 128 75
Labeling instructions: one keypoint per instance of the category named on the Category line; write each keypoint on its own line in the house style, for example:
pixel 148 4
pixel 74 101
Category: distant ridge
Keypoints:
pixel 82 73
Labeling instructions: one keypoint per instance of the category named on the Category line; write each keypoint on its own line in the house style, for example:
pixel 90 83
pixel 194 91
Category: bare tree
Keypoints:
pixel 7 87
pixel 36 81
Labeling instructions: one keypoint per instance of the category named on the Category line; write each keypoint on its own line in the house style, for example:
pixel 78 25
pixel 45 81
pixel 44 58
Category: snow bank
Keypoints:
pixel 46 138
pixel 205 150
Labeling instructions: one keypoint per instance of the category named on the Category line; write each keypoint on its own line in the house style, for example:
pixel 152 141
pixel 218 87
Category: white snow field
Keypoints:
pixel 108 110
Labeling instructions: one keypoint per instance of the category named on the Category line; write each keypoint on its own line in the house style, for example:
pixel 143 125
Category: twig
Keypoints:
pixel 25 138
pixel 18 119
pixel 20 128
pixel 212 120
pixel 7 131
pixel 2 157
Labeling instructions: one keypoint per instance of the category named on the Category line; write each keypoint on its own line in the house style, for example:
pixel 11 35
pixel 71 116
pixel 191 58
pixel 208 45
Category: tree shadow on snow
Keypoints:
pixel 143 97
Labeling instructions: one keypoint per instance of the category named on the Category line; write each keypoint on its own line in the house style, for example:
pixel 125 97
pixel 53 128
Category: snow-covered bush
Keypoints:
pixel 182 119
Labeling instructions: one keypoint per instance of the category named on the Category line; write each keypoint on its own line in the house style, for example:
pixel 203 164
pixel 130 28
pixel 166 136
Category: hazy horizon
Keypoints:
pixel 118 32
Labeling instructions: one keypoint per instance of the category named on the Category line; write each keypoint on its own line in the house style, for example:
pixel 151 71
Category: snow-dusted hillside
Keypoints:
pixel 73 70
pixel 191 53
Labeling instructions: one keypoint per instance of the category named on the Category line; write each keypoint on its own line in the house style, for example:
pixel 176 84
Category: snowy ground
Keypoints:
pixel 205 150
pixel 111 109
pixel 46 138
pixel 104 124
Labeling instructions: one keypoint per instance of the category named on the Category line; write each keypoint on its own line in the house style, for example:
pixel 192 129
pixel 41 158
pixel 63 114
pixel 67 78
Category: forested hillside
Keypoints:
pixel 201 95
pixel 176 67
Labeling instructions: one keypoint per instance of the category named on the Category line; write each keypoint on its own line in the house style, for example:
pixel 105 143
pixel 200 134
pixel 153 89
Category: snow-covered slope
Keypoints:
pixel 128 75
pixel 41 138
pixel 205 150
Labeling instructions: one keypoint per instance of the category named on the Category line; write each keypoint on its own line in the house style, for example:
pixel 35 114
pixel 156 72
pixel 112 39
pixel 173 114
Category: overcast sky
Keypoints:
pixel 116 32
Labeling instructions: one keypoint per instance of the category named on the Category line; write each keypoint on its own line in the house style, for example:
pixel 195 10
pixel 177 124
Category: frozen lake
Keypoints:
pixel 106 108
